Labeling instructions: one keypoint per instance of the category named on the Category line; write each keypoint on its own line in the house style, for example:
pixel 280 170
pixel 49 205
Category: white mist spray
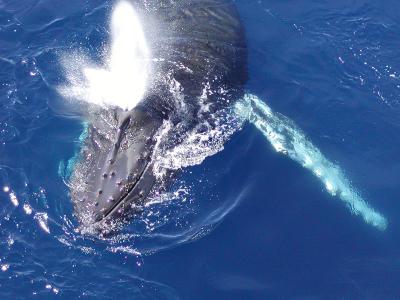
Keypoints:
pixel 122 80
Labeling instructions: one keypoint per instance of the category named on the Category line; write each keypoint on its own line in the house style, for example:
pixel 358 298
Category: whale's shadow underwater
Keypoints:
pixel 192 61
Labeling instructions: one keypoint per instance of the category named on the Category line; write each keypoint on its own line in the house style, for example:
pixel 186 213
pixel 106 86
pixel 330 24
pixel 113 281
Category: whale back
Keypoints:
pixel 201 45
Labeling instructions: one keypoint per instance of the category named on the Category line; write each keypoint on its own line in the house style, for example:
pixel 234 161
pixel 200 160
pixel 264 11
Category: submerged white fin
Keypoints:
pixel 288 139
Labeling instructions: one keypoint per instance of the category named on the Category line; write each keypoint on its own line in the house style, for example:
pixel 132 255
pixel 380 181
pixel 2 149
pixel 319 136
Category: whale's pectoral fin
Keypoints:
pixel 288 139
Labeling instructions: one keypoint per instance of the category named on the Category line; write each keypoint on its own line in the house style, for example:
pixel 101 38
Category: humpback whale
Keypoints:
pixel 198 47
pixel 175 78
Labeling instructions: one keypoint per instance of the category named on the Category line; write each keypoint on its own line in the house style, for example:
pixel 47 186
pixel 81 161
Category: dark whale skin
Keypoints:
pixel 195 43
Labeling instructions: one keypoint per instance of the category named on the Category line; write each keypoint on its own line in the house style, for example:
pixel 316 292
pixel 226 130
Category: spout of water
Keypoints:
pixel 122 80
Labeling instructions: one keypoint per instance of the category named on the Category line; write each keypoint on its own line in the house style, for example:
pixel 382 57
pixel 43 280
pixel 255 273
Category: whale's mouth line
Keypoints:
pixel 121 200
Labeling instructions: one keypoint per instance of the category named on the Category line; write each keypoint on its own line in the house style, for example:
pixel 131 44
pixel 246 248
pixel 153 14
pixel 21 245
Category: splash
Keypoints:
pixel 196 144
pixel 288 139
pixel 122 80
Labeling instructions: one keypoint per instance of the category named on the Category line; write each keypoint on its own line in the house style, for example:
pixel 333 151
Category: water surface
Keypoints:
pixel 247 223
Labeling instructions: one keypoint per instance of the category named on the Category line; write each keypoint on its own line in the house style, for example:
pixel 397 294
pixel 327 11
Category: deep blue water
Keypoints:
pixel 330 66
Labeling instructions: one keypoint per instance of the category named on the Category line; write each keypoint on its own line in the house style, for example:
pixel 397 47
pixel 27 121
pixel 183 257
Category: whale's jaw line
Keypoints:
pixel 120 174
pixel 132 201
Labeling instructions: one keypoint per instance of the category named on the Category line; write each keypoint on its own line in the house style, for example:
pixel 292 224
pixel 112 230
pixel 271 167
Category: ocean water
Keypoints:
pixel 301 203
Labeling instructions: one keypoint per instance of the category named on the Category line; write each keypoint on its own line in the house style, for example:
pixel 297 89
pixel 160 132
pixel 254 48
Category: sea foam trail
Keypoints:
pixel 288 139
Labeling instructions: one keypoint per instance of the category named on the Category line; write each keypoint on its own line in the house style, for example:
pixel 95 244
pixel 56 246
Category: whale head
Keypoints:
pixel 182 61
pixel 115 173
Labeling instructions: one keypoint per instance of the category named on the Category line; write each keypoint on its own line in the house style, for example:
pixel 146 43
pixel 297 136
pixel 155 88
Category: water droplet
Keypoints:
pixel 14 199
pixel 42 220
pixel 5 267
pixel 27 209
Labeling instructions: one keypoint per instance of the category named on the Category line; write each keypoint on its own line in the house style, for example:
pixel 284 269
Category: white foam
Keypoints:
pixel 28 209
pixel 14 199
pixel 196 144
pixel 122 79
pixel 288 139
pixel 5 267
pixel 42 220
